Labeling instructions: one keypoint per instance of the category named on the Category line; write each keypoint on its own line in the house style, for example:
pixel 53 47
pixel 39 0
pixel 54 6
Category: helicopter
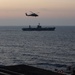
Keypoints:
pixel 32 14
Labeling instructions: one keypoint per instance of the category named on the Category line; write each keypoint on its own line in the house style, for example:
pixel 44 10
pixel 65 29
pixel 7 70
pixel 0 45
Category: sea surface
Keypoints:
pixel 44 49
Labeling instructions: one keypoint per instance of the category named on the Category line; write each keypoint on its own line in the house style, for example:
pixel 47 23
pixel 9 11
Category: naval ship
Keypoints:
pixel 39 28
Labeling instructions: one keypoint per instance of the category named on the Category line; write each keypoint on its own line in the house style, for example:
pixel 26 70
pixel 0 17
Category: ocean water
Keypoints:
pixel 44 49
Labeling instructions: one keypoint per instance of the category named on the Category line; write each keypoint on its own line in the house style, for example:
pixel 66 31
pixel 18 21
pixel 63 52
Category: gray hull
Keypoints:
pixel 39 29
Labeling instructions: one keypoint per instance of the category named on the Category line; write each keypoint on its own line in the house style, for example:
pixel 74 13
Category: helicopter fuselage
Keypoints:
pixel 33 14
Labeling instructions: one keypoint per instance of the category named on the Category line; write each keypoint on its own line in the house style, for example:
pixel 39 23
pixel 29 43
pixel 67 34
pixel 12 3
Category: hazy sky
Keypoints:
pixel 51 12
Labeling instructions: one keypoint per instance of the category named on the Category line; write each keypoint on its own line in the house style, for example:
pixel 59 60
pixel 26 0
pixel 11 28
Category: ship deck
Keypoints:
pixel 25 70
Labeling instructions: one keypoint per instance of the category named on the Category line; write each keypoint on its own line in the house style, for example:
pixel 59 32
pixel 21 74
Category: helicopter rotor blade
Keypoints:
pixel 31 11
